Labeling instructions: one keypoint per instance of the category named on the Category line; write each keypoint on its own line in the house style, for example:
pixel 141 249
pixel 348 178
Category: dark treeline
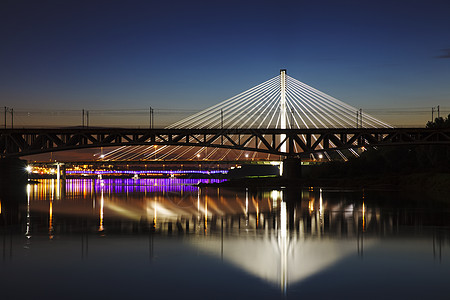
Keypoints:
pixel 440 122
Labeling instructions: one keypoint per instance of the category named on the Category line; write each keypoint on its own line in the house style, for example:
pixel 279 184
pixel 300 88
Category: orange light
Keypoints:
pixel 364 217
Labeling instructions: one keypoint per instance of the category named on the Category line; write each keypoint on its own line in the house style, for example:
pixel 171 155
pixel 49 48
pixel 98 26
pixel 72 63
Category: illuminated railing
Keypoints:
pixel 106 172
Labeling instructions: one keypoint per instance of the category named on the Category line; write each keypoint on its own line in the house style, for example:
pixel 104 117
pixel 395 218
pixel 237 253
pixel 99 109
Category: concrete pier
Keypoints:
pixel 292 168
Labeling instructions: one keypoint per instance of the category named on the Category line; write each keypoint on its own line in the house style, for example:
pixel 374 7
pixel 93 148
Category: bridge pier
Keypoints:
pixel 292 168
pixel 13 179
pixel 12 172
pixel 62 170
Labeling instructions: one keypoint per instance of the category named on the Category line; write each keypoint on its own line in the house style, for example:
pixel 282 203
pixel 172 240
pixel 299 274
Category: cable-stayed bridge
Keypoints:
pixel 280 117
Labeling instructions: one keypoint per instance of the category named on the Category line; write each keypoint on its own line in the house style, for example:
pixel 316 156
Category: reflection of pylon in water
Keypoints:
pixel 283 244
pixel 281 102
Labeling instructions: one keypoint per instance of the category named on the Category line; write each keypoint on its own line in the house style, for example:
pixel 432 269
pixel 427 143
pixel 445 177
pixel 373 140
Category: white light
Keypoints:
pixel 283 219
pixel 320 156
pixel 246 155
pixel 102 156
pixel 29 169
pixel 198 155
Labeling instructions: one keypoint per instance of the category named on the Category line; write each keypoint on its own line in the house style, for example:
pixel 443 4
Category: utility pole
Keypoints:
pixel 432 114
pixel 152 118
pixel 439 114
pixel 10 110
pixel 87 118
pixel 82 118
pixel 357 118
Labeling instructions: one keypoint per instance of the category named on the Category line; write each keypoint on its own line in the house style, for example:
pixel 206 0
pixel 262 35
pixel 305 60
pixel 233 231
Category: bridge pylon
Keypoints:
pixel 283 106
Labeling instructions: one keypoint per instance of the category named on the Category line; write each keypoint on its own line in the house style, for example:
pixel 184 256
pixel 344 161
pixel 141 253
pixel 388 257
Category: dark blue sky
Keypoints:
pixel 193 54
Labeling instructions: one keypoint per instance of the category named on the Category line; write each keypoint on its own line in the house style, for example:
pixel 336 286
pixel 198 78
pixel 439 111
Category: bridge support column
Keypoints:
pixel 292 168
pixel 63 172
pixel 12 172
pixel 13 179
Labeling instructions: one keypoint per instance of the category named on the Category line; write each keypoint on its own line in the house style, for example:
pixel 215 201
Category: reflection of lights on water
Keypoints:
pixel 102 203
pixel 58 189
pixel 52 187
pixel 257 214
pixel 206 214
pixel 311 205
pixel 50 221
pixel 364 216
pixel 275 195
pixel 246 208
pixel 283 221
pixel 198 201
pixel 27 232
pixel 246 201
pixel 155 215
pixel 283 246
pixel 320 202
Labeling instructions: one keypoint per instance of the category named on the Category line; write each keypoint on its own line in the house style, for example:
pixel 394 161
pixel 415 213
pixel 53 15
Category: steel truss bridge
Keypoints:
pixel 281 116
pixel 297 142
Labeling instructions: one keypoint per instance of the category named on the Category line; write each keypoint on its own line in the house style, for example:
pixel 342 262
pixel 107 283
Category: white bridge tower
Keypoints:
pixel 283 106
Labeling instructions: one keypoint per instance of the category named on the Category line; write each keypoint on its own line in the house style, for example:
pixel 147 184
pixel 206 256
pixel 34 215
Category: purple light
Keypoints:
pixel 148 185
pixel 102 172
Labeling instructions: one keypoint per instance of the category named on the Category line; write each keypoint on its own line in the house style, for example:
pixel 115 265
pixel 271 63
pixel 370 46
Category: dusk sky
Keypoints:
pixel 194 54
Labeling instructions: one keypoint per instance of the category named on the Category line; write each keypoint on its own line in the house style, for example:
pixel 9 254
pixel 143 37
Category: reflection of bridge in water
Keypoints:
pixel 282 236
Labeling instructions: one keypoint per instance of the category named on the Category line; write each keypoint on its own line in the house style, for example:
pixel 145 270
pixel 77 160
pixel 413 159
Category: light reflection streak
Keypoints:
pixel 155 208
pixel 283 242
pixel 311 205
pixel 246 201
pixel 58 181
pixel 50 221
pixel 27 232
pixel 206 214
pixel 364 217
pixel 52 188
pixel 102 204
pixel 274 195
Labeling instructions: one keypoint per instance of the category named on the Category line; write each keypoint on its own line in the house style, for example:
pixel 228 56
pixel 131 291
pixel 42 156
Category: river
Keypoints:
pixel 168 238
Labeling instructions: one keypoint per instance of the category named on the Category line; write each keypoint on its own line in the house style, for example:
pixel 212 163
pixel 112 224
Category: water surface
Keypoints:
pixel 117 239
